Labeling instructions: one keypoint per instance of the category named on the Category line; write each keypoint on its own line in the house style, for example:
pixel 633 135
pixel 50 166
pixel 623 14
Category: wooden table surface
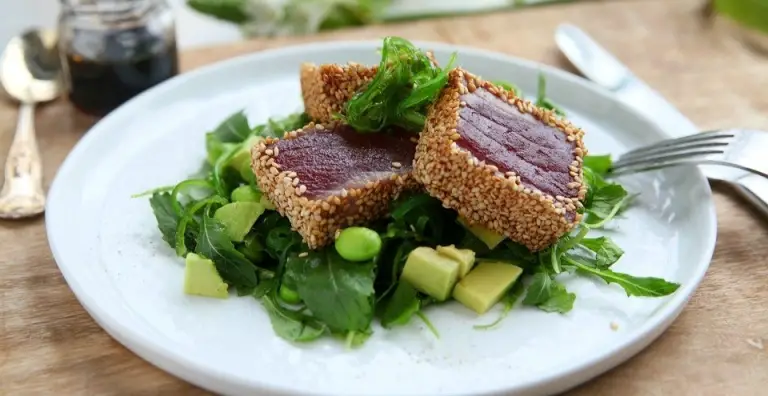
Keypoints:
pixel 718 346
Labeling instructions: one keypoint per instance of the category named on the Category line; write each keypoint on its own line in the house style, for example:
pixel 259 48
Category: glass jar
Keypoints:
pixel 112 50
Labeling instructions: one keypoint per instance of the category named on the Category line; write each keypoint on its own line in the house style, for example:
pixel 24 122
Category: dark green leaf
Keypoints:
pixel 541 97
pixel 289 327
pixel 216 148
pixel 605 200
pixel 405 84
pixel 234 268
pixel 402 306
pixel 355 339
pixel 234 129
pixel 337 292
pixel 606 251
pixel 540 289
pixel 548 295
pixel 632 285
pixel 278 127
pixel 167 218
pixel 600 164
pixel 560 300
pixel 226 10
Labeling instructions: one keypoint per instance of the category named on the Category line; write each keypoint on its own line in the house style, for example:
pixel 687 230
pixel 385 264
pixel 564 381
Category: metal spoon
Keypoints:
pixel 29 73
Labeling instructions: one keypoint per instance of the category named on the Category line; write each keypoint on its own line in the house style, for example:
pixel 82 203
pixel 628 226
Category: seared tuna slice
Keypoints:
pixel 326 88
pixel 502 162
pixel 327 177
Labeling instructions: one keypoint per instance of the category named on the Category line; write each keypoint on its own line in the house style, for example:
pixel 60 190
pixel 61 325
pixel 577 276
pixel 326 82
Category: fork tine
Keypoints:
pixel 702 137
pixel 672 149
pixel 652 159
pixel 650 166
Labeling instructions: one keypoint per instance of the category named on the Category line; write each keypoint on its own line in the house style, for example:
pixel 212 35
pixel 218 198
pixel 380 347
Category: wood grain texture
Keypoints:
pixel 718 346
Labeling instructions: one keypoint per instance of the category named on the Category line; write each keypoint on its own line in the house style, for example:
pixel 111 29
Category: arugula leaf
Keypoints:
pixel 540 289
pixel 402 306
pixel 288 327
pixel 542 100
pixel 234 268
pixel 234 129
pixel 337 292
pixel 404 85
pixel 600 164
pixel 606 251
pixel 548 295
pixel 606 201
pixel 632 285
pixel 560 300
pixel 355 339
pixel 277 127
pixel 166 216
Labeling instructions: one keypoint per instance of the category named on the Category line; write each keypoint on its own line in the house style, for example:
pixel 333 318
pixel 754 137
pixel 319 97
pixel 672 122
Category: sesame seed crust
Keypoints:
pixel 480 192
pixel 318 220
pixel 327 88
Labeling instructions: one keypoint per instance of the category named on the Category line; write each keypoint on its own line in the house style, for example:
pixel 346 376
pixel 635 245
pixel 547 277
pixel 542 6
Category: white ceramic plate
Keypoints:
pixel 109 249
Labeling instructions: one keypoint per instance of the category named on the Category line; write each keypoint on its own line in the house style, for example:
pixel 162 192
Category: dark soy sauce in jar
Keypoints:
pixel 108 64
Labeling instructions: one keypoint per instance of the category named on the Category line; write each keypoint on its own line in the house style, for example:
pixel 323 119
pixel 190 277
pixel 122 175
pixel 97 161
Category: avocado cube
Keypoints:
pixel 431 273
pixel 241 160
pixel 246 193
pixel 486 284
pixel 465 258
pixel 489 237
pixel 202 279
pixel 238 218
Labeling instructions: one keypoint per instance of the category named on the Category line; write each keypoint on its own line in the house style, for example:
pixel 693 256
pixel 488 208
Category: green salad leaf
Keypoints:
pixel 290 327
pixel 599 164
pixel 406 82
pixel 606 251
pixel 402 306
pixel 337 292
pixel 632 285
pixel 232 265
pixel 166 216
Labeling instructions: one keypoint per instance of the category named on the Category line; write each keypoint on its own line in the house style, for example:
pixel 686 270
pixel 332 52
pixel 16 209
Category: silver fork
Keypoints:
pixel 744 149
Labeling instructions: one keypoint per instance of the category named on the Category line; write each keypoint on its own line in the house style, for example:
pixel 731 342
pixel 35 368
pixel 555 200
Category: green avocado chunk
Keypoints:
pixel 489 237
pixel 430 272
pixel 486 284
pixel 202 279
pixel 241 160
pixel 246 193
pixel 465 258
pixel 238 218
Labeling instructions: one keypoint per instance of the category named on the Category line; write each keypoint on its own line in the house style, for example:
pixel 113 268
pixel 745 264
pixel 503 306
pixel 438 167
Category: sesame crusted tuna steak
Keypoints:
pixel 502 162
pixel 327 177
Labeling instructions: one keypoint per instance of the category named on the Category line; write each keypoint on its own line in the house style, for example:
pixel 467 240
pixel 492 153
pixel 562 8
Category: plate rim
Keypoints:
pixel 169 360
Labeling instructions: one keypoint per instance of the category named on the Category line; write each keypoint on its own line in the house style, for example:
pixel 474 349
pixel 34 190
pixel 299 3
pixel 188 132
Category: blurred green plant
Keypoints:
pixel 297 17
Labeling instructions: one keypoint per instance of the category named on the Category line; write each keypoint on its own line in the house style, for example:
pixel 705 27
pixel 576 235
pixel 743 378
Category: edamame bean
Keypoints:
pixel 358 244
pixel 289 295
